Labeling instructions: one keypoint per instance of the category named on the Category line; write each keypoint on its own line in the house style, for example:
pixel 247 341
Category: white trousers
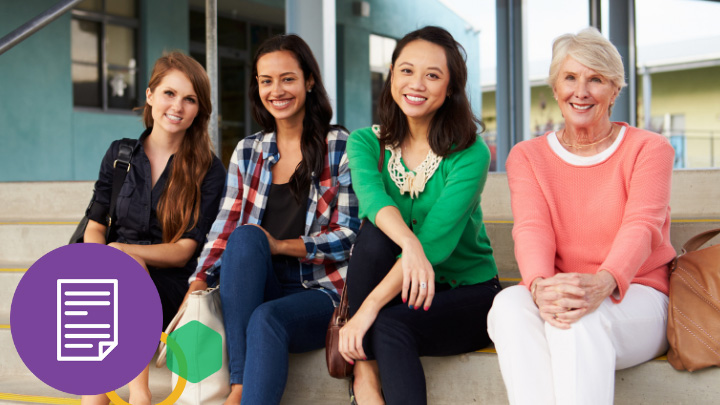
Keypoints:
pixel 542 364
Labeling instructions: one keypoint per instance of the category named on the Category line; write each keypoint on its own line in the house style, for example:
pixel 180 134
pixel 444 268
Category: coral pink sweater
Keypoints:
pixel 612 215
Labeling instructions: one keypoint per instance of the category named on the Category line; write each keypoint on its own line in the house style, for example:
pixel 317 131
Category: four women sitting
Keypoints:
pixel 590 204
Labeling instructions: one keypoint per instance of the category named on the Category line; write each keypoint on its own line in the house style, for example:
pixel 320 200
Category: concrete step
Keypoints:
pixel 25 387
pixel 9 281
pixel 10 362
pixel 22 243
pixel 464 379
pixel 694 195
pixel 41 201
pixel 25 242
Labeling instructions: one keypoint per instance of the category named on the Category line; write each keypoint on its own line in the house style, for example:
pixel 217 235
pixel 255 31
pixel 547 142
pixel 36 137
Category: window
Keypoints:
pixel 238 40
pixel 104 54
pixel 381 49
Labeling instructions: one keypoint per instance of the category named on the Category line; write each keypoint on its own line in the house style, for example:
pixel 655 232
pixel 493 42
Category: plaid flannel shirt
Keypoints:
pixel 331 222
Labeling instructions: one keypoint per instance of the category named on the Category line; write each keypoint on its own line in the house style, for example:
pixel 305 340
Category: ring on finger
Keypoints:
pixel 555 316
pixel 423 285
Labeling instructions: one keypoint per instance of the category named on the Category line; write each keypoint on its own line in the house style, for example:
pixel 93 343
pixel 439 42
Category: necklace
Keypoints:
pixel 412 182
pixel 585 145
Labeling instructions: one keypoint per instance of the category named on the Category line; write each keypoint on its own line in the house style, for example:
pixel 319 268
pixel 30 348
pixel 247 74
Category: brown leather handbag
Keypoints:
pixel 693 329
pixel 336 364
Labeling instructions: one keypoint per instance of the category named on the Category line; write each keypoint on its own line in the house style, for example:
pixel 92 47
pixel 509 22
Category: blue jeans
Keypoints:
pixel 267 313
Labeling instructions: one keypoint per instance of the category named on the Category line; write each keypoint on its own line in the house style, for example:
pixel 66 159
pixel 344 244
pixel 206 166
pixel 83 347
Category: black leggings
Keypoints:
pixel 455 323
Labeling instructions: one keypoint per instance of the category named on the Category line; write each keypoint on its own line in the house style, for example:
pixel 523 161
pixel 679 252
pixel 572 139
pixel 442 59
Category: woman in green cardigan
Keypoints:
pixel 422 277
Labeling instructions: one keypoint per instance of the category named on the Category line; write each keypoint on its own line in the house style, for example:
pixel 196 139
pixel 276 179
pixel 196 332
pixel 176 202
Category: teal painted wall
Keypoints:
pixel 35 98
pixel 42 137
pixel 391 19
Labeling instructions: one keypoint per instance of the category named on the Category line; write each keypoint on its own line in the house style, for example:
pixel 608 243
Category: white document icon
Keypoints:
pixel 87 318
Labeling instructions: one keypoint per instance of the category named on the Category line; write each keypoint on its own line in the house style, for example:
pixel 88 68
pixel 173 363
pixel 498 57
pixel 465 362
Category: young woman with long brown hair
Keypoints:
pixel 172 191
pixel 288 219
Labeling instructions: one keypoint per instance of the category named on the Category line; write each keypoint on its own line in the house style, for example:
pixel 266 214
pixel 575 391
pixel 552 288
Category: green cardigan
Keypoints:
pixel 446 217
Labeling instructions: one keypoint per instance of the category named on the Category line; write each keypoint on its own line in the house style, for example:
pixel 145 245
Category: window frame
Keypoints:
pixel 103 19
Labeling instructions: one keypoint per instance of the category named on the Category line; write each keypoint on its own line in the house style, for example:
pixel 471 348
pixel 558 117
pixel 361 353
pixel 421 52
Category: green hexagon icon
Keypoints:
pixel 202 347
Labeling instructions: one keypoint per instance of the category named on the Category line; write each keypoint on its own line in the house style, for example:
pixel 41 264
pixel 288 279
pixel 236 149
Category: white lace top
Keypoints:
pixel 408 180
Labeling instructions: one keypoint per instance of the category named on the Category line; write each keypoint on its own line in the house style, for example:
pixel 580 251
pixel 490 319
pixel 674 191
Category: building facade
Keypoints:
pixel 69 89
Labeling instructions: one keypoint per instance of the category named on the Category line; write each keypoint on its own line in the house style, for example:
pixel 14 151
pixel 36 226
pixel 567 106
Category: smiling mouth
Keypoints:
pixel 280 103
pixel 174 118
pixel 415 99
pixel 581 107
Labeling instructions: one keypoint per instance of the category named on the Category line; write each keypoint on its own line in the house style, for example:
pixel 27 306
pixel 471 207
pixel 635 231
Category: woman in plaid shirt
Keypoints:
pixel 286 224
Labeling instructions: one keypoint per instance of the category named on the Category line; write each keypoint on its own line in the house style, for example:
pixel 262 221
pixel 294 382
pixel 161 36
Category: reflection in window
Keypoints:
pixel 104 54
pixel 381 49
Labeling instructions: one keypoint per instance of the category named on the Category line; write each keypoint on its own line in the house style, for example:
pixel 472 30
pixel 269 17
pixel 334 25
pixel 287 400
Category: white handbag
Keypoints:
pixel 203 306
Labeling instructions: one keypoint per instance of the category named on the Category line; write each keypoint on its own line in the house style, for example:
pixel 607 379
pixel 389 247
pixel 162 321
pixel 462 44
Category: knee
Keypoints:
pixel 265 322
pixel 391 332
pixel 510 307
pixel 372 248
pixel 247 239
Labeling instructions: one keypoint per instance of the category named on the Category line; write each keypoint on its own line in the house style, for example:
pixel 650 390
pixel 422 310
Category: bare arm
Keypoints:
pixel 416 269
pixel 287 247
pixel 162 255
pixel 95 232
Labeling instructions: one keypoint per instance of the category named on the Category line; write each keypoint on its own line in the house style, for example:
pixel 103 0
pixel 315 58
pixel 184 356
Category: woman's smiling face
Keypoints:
pixel 420 79
pixel 174 103
pixel 583 95
pixel 282 85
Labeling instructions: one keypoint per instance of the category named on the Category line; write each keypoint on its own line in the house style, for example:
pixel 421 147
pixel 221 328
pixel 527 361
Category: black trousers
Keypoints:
pixel 455 323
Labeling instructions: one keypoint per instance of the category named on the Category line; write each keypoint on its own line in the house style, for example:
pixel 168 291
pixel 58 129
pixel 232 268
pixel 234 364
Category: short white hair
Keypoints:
pixel 591 49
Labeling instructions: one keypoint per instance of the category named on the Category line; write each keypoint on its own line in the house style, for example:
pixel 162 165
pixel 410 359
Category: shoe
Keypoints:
pixel 351 391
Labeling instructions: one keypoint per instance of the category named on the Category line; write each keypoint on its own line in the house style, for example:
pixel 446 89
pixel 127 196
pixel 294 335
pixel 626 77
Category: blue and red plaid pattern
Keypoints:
pixel 331 222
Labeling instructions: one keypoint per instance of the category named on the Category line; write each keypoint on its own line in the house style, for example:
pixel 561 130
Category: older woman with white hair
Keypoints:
pixel 592 240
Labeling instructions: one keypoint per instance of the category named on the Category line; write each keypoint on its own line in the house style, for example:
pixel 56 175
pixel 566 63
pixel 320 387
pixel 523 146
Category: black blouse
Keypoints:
pixel 136 207
pixel 284 218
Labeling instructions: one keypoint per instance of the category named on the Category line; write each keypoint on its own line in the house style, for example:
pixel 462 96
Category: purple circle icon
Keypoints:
pixel 86 319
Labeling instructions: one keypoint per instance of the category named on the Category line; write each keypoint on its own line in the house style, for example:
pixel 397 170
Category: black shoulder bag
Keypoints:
pixel 121 168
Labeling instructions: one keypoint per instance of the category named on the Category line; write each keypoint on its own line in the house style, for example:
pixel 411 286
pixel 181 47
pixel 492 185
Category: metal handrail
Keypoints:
pixel 32 26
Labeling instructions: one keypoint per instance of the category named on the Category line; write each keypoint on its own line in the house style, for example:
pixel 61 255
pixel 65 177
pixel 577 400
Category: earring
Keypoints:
pixel 310 90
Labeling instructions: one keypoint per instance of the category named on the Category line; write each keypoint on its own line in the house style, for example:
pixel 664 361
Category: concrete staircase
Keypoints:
pixel 38 217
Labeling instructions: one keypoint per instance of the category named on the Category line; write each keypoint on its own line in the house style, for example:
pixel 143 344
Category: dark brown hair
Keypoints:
pixel 318 111
pixel 180 201
pixel 454 126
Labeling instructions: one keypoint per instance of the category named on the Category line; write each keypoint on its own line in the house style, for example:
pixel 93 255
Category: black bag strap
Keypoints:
pixel 121 167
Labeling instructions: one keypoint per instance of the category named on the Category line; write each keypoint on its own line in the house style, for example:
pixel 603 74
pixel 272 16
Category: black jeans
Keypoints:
pixel 455 323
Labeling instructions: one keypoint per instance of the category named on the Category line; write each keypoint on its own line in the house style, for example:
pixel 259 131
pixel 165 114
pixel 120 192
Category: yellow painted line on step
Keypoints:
pixel 37 399
pixel 4 326
pixel 13 270
pixel 512 280
pixel 40 223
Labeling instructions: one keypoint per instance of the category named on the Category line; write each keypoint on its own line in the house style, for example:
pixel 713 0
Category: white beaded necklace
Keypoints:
pixel 407 181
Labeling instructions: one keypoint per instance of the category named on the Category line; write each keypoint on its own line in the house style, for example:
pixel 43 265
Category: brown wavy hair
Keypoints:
pixel 179 206
pixel 454 127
